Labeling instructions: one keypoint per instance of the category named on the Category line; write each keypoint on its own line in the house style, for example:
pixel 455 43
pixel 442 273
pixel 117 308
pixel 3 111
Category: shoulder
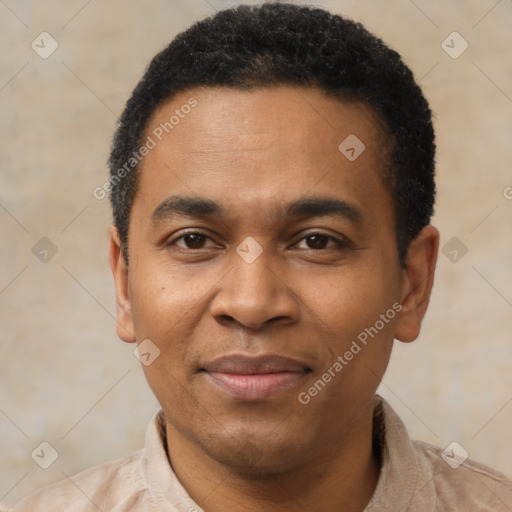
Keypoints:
pixel 455 479
pixel 420 477
pixel 102 487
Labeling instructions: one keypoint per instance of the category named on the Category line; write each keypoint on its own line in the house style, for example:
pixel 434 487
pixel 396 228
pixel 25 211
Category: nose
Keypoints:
pixel 254 295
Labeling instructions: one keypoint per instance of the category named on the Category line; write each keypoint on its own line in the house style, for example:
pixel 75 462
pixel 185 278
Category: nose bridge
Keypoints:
pixel 253 292
pixel 254 275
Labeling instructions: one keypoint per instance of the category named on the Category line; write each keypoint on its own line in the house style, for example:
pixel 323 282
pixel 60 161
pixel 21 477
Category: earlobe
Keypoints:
pixel 417 283
pixel 124 321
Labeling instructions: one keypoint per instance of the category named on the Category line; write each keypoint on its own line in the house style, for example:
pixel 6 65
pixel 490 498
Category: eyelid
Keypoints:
pixel 191 231
pixel 340 240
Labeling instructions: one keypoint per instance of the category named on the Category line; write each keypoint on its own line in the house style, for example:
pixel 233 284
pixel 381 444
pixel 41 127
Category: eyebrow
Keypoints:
pixel 303 207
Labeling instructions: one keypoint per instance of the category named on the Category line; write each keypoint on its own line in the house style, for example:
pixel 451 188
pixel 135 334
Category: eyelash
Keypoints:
pixel 341 244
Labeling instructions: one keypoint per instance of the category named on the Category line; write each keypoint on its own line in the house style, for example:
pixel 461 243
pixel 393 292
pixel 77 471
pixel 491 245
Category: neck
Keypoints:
pixel 342 476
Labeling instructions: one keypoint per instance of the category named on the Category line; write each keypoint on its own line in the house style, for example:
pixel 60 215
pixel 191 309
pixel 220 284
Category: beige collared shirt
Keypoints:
pixel 414 478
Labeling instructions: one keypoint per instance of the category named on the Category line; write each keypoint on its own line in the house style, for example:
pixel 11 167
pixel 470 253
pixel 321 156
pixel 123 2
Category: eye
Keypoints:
pixel 319 241
pixel 192 240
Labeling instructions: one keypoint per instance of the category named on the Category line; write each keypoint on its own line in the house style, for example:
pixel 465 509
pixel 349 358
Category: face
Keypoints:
pixel 260 254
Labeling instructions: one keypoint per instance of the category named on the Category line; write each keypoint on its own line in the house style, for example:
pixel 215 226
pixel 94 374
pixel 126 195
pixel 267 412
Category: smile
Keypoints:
pixel 255 378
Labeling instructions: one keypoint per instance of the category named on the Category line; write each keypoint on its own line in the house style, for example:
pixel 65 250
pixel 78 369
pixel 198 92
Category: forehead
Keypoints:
pixel 267 145
pixel 253 117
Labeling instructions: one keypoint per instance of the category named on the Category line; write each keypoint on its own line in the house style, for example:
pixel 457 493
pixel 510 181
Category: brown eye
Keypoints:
pixel 191 241
pixel 320 241
pixel 317 241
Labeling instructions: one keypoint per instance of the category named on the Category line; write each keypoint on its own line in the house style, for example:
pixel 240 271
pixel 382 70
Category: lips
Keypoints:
pixel 255 378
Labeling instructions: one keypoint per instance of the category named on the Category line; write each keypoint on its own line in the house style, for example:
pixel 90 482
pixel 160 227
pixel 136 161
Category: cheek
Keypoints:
pixel 168 307
pixel 159 307
pixel 165 311
pixel 163 297
pixel 358 315
pixel 352 299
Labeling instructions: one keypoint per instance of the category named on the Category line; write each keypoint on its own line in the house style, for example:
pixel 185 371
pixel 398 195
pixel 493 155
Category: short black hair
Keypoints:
pixel 274 43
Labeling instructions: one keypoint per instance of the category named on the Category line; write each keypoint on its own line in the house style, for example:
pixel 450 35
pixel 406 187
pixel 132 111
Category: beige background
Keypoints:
pixel 67 379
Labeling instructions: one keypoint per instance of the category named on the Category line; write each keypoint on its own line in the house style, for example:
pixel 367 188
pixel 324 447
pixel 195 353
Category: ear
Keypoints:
pixel 124 323
pixel 418 280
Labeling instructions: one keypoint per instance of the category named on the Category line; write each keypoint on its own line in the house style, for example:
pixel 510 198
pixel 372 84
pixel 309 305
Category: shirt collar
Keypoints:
pixel 166 491
pixel 399 465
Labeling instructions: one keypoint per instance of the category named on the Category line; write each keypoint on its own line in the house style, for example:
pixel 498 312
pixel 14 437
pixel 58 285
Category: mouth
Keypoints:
pixel 255 378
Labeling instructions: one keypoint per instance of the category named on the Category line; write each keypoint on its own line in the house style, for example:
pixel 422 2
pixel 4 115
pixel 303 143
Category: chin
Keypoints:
pixel 254 456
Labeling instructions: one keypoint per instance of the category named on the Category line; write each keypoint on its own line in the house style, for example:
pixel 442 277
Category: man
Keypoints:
pixel 272 183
